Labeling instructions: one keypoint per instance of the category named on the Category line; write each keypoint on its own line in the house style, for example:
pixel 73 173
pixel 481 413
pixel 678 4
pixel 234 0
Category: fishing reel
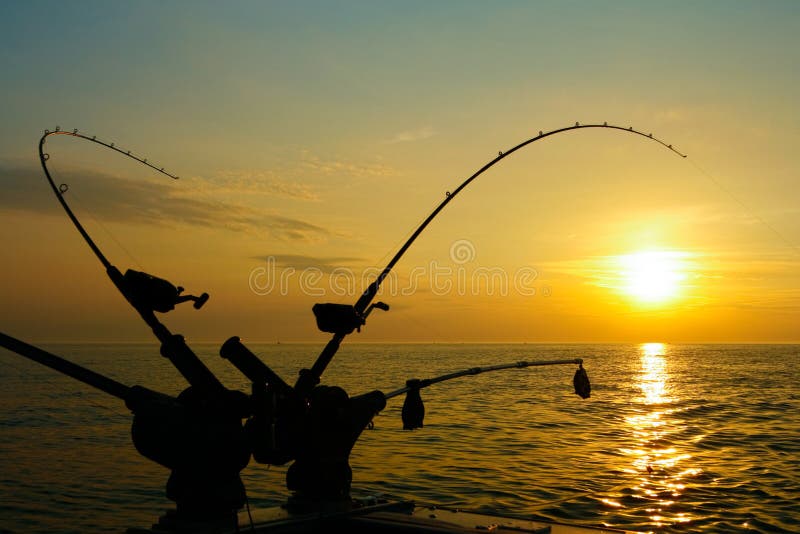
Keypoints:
pixel 342 319
pixel 148 292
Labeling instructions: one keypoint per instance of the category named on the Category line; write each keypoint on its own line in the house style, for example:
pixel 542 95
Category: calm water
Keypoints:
pixel 675 438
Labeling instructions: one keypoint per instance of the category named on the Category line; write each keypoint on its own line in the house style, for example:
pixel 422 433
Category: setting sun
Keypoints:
pixel 653 276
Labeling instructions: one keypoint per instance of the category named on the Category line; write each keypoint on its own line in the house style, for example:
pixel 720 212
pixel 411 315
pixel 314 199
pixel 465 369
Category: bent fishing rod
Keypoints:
pixel 342 319
pixel 199 435
pixel 61 190
pixel 146 293
pixel 413 411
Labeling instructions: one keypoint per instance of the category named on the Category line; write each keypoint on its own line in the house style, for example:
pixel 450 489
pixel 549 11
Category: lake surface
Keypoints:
pixel 675 438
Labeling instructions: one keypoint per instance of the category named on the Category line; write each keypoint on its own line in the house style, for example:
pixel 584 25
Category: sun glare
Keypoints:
pixel 653 276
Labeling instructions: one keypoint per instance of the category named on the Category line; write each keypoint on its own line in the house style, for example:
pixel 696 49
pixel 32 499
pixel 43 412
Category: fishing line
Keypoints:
pixel 108 232
pixel 374 265
pixel 62 189
pixel 794 247
pixel 353 317
pixel 368 295
pixel 400 240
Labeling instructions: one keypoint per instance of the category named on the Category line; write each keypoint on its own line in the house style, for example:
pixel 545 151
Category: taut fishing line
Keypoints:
pixel 62 189
pixel 103 227
pixel 793 246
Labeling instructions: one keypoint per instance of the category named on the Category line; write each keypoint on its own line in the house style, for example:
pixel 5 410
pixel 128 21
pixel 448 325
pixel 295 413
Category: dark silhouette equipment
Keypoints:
pixel 413 412
pixel 150 292
pixel 208 433
pixel 338 318
pixel 581 383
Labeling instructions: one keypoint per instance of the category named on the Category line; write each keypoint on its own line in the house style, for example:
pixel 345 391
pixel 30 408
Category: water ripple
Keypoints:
pixel 674 438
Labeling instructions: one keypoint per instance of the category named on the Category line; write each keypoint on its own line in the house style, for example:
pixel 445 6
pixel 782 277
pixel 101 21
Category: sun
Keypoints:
pixel 653 276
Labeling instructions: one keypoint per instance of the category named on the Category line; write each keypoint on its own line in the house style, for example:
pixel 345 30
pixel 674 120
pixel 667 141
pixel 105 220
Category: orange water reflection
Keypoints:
pixel 656 461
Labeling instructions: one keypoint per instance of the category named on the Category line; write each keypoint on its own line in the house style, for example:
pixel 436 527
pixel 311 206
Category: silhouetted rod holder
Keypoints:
pixel 175 349
pixel 331 427
pixel 251 366
pixel 204 445
pixel 277 412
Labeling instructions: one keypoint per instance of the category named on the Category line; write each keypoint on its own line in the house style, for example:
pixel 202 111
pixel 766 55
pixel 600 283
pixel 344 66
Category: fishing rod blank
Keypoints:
pixel 352 317
pixel 63 188
pixel 135 397
pixel 64 366
pixel 413 411
pixel 147 294
pixel 423 383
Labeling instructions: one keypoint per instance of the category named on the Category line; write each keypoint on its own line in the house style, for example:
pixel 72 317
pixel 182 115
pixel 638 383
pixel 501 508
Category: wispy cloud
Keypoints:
pixel 295 229
pixel 118 199
pixel 670 115
pixel 316 165
pixel 304 176
pixel 254 182
pixel 326 264
pixel 408 136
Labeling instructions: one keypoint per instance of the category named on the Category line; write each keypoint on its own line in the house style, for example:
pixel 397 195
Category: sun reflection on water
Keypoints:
pixel 657 465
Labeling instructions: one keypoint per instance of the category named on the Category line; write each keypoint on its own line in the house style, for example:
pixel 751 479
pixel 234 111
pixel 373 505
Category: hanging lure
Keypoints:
pixel 413 409
pixel 581 383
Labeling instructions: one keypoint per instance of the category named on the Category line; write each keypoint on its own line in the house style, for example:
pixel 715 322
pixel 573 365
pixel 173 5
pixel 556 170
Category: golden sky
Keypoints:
pixel 311 138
